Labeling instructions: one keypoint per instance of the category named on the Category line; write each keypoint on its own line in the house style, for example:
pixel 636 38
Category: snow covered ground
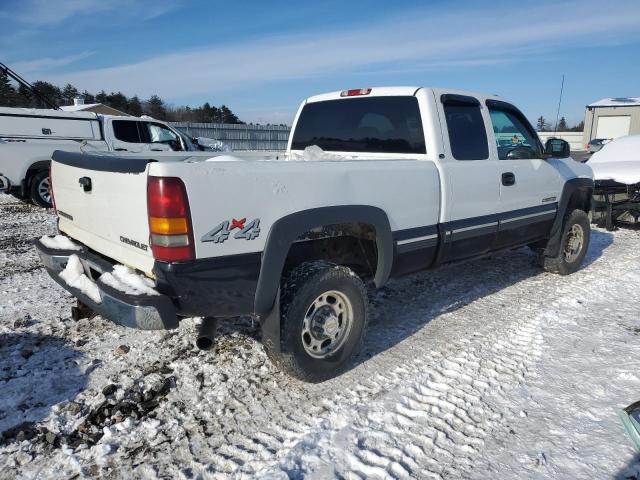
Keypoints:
pixel 490 369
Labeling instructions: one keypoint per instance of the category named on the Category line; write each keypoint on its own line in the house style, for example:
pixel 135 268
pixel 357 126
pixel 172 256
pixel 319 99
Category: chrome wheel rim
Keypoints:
pixel 327 324
pixel 573 244
pixel 44 190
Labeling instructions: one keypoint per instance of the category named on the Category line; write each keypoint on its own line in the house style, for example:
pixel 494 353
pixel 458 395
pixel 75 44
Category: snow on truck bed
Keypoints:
pixel 490 369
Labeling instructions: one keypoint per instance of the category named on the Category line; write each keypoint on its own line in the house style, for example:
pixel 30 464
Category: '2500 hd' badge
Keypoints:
pixel 247 231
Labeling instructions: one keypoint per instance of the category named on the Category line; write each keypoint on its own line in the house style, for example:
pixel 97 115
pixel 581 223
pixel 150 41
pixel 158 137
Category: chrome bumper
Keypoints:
pixel 146 312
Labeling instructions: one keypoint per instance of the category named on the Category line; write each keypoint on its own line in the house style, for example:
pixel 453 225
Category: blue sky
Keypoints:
pixel 263 58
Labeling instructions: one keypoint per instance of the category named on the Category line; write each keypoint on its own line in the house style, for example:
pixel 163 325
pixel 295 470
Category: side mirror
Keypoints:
pixel 557 148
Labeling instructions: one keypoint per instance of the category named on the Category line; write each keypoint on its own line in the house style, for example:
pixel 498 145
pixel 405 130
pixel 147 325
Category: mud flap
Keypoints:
pixel 271 326
pixel 630 417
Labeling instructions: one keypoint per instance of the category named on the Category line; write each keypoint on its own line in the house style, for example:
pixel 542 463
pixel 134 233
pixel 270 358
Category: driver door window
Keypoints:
pixel 514 140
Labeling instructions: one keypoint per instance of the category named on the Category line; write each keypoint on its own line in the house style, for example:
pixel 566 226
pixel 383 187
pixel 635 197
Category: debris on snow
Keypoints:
pixel 74 276
pixel 123 349
pixel 124 279
pixel 59 242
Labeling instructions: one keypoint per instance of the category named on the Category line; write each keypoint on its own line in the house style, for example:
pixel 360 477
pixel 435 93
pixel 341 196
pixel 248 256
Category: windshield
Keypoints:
pixel 372 124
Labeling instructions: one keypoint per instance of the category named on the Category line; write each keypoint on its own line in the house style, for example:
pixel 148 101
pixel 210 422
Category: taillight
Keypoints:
pixel 169 220
pixel 53 200
pixel 356 92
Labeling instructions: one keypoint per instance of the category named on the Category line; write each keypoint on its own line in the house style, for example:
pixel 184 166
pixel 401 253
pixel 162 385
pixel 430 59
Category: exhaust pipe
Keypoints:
pixel 206 333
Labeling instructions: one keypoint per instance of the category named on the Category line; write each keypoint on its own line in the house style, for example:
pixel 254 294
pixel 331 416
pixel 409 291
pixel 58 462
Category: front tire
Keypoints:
pixel 40 190
pixel 323 321
pixel 573 246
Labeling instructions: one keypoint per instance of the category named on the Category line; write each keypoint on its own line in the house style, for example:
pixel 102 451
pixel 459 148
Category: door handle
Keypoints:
pixel 508 179
pixel 85 183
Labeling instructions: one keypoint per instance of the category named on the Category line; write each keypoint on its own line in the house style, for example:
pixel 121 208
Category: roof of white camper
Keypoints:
pixel 616 102
pixel 44 112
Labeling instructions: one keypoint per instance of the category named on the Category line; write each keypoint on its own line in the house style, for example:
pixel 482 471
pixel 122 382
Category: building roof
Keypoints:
pixel 80 107
pixel 617 102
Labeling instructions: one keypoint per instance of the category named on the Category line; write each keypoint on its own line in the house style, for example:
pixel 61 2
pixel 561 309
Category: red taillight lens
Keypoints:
pixel 53 200
pixel 169 220
pixel 355 92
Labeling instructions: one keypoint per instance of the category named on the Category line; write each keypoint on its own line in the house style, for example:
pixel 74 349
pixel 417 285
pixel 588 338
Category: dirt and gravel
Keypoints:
pixel 489 369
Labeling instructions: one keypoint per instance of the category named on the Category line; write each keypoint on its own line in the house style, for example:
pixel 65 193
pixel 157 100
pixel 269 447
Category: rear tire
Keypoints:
pixel 40 192
pixel 573 245
pixel 323 321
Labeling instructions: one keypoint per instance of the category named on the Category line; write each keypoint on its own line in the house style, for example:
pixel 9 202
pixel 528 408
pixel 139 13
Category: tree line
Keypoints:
pixel 154 106
pixel 543 126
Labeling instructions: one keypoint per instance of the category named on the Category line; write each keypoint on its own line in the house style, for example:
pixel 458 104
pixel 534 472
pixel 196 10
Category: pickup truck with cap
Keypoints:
pixel 28 138
pixel 375 183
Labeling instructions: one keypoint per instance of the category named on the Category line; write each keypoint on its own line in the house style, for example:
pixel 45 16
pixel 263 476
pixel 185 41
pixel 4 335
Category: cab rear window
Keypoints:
pixel 372 125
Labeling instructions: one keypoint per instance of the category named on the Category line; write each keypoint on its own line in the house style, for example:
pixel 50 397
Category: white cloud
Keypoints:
pixel 422 39
pixel 44 64
pixel 39 13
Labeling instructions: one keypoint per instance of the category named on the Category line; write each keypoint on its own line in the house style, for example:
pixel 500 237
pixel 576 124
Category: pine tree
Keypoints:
pixel 577 128
pixel 562 125
pixel 118 101
pixel 542 125
pixel 155 107
pixel 69 93
pixel 50 92
pixel 101 97
pixel 227 115
pixel 88 97
pixel 8 94
pixel 134 106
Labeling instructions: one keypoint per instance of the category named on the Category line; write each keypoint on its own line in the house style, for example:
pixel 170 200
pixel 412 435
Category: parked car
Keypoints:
pixel 28 138
pixel 596 144
pixel 376 183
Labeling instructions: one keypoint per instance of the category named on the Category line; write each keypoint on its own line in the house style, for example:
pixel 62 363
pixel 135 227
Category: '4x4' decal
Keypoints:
pixel 247 231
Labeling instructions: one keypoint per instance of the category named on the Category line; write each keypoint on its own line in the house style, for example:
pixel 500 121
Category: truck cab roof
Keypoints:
pixel 398 91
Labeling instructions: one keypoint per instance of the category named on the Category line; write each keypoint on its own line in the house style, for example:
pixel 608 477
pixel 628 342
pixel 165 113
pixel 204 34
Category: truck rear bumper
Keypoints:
pixel 146 312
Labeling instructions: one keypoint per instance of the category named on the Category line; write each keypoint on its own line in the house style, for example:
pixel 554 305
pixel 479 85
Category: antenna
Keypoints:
pixel 559 103
pixel 7 71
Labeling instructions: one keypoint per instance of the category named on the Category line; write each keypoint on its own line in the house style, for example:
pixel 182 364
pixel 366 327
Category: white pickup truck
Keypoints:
pixel 404 179
pixel 28 138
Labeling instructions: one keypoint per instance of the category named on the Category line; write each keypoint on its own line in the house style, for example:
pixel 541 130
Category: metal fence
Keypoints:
pixel 239 137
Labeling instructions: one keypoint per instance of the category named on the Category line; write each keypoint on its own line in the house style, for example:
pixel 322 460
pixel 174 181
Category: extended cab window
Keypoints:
pixel 467 134
pixel 372 124
pixel 158 133
pixel 126 131
pixel 515 139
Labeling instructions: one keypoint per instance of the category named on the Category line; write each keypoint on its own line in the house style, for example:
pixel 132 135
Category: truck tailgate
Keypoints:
pixel 102 202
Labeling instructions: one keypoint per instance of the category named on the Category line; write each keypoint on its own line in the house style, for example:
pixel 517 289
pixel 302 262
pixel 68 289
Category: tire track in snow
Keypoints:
pixel 443 413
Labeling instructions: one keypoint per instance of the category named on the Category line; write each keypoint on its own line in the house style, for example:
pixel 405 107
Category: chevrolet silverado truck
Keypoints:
pixel 28 138
pixel 376 183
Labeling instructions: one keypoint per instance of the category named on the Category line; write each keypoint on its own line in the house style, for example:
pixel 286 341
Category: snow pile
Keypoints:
pixel 74 275
pixel 618 160
pixel 59 242
pixel 314 153
pixel 124 279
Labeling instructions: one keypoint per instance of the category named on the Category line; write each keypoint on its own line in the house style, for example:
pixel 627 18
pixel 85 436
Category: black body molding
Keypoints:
pixel 571 186
pixel 102 163
pixel 287 229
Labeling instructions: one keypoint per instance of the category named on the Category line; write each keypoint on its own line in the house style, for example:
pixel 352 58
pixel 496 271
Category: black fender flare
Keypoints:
pixel 570 187
pixel 287 229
